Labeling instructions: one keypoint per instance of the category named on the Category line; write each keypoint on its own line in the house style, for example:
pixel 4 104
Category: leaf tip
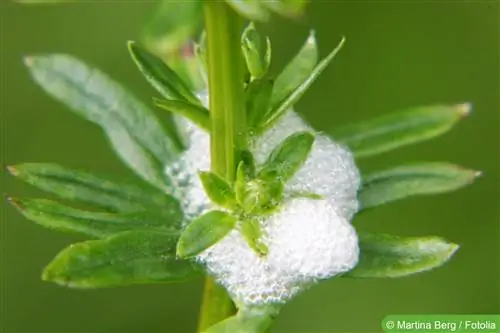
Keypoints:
pixel 464 109
pixel 130 44
pixel 15 202
pixel 12 170
pixel 311 38
pixel 29 61
pixel 477 173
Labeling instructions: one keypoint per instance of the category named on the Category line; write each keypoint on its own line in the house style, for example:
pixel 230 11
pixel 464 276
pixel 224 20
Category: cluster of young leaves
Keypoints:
pixel 252 196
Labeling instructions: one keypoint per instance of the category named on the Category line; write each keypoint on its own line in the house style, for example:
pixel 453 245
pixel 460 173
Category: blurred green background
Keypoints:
pixel 398 54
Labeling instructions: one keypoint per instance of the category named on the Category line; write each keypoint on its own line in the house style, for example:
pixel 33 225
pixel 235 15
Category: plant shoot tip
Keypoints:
pixel 464 109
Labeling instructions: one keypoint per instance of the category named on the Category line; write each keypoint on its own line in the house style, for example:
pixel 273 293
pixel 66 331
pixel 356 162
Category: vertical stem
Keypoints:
pixel 228 114
pixel 226 90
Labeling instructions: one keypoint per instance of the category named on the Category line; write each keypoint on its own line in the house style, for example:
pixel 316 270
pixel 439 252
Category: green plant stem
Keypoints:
pixel 228 135
pixel 226 89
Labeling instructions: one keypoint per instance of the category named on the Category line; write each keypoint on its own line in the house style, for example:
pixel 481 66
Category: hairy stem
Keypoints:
pixel 228 116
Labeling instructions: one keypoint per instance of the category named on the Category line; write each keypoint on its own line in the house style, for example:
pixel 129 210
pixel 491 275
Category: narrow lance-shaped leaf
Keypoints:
pixel 196 113
pixel 217 189
pixel 172 25
pixel 249 9
pixel 95 97
pixel 98 191
pixel 257 53
pixel 131 257
pixel 258 98
pixel 161 76
pixel 283 106
pixel 243 192
pixel 399 129
pixel 384 256
pixel 409 180
pixel 204 232
pixel 247 320
pixel 289 155
pixel 137 156
pixel 56 216
pixel 252 232
pixel 296 71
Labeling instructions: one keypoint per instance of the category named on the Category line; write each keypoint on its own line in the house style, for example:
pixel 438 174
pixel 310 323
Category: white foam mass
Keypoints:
pixel 308 240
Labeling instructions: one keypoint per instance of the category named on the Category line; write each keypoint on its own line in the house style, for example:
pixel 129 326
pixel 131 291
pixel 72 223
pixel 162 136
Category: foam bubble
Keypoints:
pixel 308 240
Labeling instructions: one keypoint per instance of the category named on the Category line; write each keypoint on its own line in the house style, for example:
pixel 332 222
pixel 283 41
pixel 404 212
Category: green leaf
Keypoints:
pixel 137 157
pixel 286 8
pixel 252 232
pixel 160 76
pixel 285 105
pixel 95 97
pixel 247 165
pixel 56 216
pixel 249 9
pixel 296 71
pixel 399 129
pixel 247 320
pixel 204 232
pixel 257 53
pixel 172 25
pixel 287 158
pixel 217 189
pixel 197 114
pixel 410 180
pixel 98 191
pixel 131 257
pixel 188 67
pixel 258 98
pixel 307 195
pixel 391 256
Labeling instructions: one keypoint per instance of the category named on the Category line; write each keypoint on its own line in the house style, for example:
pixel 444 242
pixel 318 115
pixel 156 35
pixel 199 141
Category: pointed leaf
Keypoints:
pixel 252 320
pixel 172 25
pixel 249 9
pixel 410 180
pixel 247 164
pixel 94 96
pixel 391 256
pixel 252 232
pixel 258 98
pixel 204 232
pixel 131 257
pixel 186 65
pixel 56 216
pixel 196 113
pixel 296 71
pixel 136 155
pixel 160 76
pixel 98 191
pixel 217 189
pixel 289 155
pixel 400 129
pixel 283 106
pixel 257 53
